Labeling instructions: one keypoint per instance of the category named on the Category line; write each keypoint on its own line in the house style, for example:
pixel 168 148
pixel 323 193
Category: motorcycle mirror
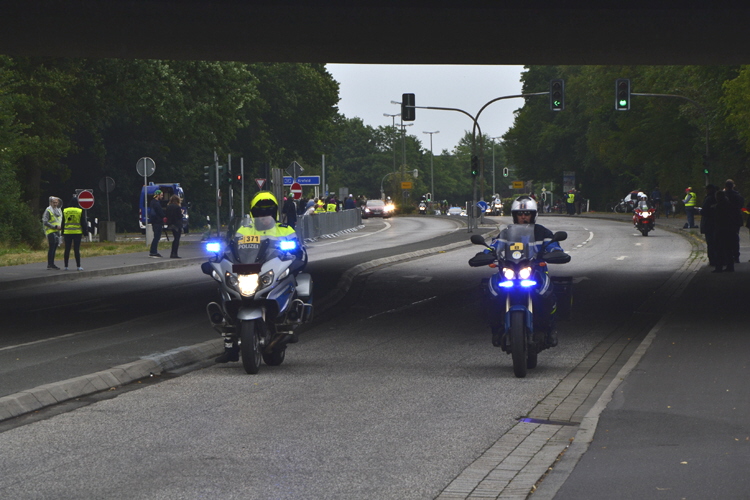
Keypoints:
pixel 560 236
pixel 477 239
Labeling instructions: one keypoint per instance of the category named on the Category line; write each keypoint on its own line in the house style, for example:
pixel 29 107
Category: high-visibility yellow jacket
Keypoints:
pixel 72 220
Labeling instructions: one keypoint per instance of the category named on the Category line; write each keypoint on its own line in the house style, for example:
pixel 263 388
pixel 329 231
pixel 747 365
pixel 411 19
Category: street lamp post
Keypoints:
pixel 493 163
pixel 432 174
pixel 393 143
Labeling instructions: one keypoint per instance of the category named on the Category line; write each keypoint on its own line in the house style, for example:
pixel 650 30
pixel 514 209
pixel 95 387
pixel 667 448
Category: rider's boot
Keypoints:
pixel 552 337
pixel 231 351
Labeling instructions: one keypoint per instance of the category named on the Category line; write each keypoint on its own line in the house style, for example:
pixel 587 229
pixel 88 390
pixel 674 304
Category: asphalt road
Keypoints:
pixel 394 393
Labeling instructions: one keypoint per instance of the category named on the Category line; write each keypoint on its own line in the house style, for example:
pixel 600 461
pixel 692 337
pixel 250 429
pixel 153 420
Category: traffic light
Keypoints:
pixel 622 94
pixel 505 172
pixel 238 179
pixel 474 165
pixel 408 113
pixel 557 94
pixel 705 165
pixel 207 177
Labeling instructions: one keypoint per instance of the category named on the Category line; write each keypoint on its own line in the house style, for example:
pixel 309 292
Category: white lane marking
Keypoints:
pixel 407 306
pixel 40 341
pixel 621 257
pixel 591 237
pixel 424 279
pixel 317 245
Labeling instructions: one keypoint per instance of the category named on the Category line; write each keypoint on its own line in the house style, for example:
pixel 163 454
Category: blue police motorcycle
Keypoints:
pixel 517 293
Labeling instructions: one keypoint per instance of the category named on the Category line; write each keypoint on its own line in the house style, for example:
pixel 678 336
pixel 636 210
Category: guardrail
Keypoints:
pixel 313 226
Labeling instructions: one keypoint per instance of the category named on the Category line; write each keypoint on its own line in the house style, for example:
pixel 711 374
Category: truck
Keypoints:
pixel 168 188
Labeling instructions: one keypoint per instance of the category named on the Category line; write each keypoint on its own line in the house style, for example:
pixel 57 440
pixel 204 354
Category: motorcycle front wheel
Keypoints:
pixel 249 345
pixel 518 347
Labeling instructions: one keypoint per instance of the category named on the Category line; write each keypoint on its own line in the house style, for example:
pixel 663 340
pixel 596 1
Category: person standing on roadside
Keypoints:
pixel 289 209
pixel 668 204
pixel 725 231
pixel 174 223
pixel 74 227
pixel 690 201
pixel 736 201
pixel 656 199
pixel 708 224
pixel 52 222
pixel 156 218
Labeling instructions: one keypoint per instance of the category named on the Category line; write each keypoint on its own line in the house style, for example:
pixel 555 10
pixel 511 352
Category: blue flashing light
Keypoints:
pixel 213 246
pixel 528 283
pixel 505 284
pixel 287 245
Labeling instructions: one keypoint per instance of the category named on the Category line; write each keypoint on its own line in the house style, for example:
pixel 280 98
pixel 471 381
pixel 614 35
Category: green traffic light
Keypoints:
pixel 623 103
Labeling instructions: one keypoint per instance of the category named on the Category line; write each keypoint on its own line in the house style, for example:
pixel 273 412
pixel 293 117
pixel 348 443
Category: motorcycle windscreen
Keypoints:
pixel 520 242
pixel 251 246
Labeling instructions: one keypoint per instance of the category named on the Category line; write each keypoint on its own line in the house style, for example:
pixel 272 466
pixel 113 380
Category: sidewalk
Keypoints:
pixel 13 277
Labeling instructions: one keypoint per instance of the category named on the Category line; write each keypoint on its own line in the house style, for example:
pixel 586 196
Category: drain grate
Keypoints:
pixel 546 422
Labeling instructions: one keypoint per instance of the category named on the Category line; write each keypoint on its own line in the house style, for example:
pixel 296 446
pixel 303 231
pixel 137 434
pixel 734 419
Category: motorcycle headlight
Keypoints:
pixel 508 273
pixel 647 214
pixel 524 273
pixel 247 284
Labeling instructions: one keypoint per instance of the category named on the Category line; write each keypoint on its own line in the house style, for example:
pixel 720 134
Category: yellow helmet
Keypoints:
pixel 264 204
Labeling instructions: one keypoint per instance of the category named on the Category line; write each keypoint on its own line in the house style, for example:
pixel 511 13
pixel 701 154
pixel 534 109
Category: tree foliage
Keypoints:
pixel 661 141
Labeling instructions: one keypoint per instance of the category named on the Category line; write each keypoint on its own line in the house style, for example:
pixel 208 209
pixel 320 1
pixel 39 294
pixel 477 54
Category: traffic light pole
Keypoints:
pixel 475 120
pixel 705 117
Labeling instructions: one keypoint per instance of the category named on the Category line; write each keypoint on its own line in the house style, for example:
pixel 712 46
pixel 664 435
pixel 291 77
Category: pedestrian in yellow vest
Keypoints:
pixel 331 206
pixel 320 206
pixel 690 201
pixel 52 222
pixel 74 226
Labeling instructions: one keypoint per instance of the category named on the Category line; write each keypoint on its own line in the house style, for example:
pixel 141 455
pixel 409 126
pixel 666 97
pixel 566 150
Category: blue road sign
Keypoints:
pixel 482 205
pixel 304 180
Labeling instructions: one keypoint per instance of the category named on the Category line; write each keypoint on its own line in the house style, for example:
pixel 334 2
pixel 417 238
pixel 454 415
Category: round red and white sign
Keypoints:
pixel 296 190
pixel 85 199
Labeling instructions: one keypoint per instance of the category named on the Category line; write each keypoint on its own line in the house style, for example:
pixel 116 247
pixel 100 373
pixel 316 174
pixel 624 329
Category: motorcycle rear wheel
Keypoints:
pixel 518 347
pixel 275 357
pixel 644 232
pixel 249 345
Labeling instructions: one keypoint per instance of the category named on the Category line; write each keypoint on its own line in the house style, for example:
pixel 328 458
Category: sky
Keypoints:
pixel 366 91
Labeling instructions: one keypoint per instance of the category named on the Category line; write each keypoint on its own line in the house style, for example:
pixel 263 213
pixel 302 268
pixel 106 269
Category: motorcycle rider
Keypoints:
pixel 264 210
pixel 524 211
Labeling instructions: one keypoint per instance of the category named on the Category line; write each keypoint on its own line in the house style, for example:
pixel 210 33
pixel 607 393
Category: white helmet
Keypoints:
pixel 523 204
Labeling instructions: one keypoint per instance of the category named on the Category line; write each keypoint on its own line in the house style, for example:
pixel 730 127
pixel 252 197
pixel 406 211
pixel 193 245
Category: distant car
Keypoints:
pixel 456 211
pixel 376 208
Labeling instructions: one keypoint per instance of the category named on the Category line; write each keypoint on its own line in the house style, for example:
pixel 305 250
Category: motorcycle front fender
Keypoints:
pixel 250 313
pixel 528 317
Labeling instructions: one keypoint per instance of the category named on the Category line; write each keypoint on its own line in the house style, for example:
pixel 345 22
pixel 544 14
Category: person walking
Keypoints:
pixel 737 202
pixel 725 231
pixel 174 223
pixel 690 201
pixel 74 227
pixel 156 218
pixel 52 222
pixel 708 224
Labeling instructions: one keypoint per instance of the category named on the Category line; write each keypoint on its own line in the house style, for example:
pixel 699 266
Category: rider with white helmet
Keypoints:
pixel 524 211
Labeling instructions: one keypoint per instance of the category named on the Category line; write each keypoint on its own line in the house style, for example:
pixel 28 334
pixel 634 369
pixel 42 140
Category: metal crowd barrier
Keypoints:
pixel 313 226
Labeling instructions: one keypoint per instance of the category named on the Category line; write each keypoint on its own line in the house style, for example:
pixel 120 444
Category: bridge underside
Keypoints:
pixel 394 32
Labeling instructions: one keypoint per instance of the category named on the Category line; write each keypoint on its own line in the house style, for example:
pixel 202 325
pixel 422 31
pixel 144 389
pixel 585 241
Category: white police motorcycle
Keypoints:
pixel 263 294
